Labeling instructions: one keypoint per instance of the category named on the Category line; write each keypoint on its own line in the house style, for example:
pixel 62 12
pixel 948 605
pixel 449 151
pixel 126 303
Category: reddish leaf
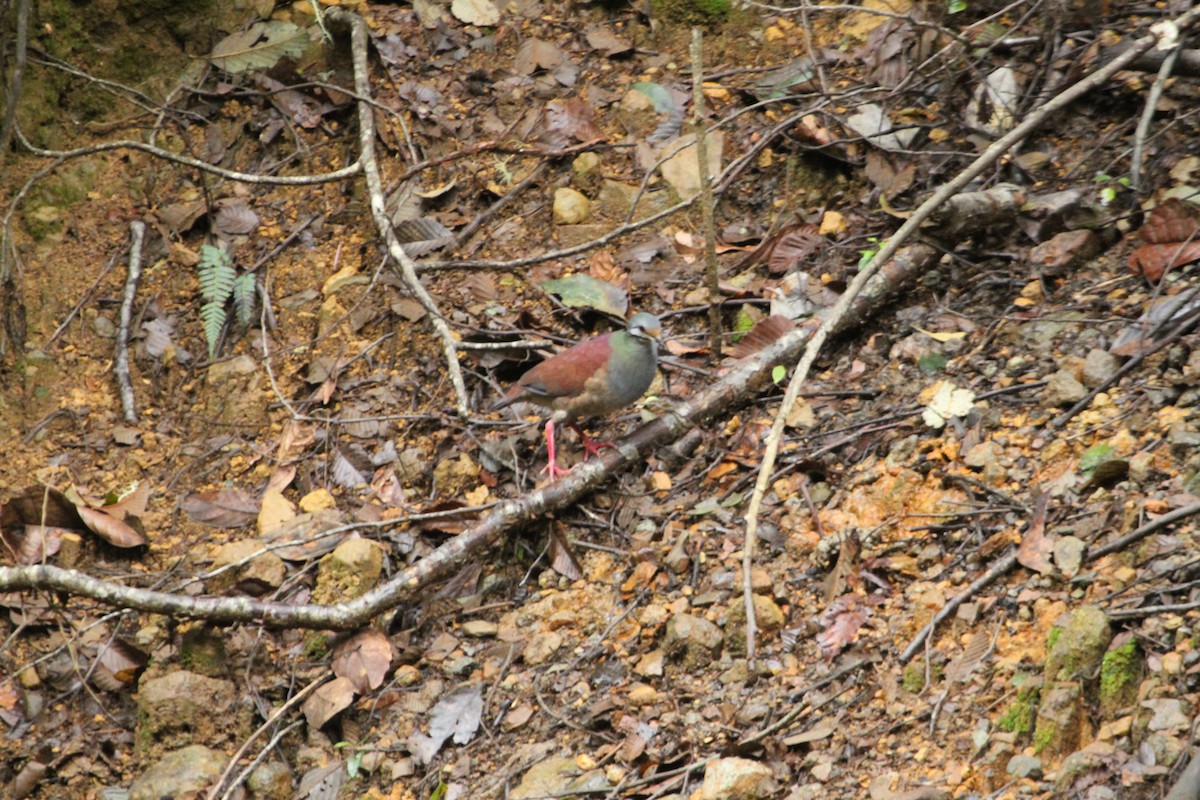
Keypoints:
pixel 1172 238
pixel 1036 548
pixel 765 333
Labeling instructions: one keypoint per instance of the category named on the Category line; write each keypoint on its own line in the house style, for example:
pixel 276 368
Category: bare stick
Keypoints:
pixel 706 199
pixel 370 168
pixel 137 229
pixel 14 88
pixel 988 157
pixel 1152 97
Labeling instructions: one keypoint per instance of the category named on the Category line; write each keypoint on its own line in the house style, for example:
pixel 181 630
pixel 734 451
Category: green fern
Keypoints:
pixel 217 278
pixel 243 298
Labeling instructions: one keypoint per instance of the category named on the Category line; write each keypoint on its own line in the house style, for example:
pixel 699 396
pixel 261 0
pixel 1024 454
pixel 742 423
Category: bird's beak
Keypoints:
pixel 654 333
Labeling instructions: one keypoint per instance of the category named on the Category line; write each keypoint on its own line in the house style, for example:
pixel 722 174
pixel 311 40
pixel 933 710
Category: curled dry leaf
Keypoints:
pixel 112 530
pixel 364 659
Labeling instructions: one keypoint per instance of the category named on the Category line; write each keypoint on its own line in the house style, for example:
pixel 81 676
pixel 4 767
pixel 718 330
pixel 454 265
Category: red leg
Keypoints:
pixel 591 446
pixel 551 467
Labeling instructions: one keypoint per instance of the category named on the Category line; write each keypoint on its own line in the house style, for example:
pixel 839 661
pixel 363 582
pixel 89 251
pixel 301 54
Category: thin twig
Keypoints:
pixel 137 229
pixel 706 200
pixel 370 168
pixel 1152 97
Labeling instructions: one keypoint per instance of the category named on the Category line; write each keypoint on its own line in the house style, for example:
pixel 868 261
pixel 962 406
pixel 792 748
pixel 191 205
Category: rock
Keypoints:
pixel 585 172
pixel 692 640
pixel 180 773
pixel 541 647
pixel 350 570
pixel 1060 719
pixel 736 779
pixel 559 776
pixel 104 327
pixel 767 614
pixel 183 707
pixel 270 781
pixel 1068 555
pixel 681 171
pixel 1079 648
pixel 479 628
pixel 1020 766
pixel 1098 367
pixel 235 394
pixel 1063 390
pixel 261 573
pixel 571 207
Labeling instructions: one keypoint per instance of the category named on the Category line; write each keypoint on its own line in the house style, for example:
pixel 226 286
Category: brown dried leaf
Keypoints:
pixel 222 508
pixel 535 54
pixel 112 530
pixel 328 701
pixel 119 664
pixel 1036 548
pixel 364 659
pixel 568 119
pixel 1172 238
pixel 765 333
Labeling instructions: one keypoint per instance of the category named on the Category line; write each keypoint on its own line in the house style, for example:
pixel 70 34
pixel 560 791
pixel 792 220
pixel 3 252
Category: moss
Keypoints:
pixel 1018 718
pixel 1119 676
pixel 690 12
pixel 914 677
pixel 1043 738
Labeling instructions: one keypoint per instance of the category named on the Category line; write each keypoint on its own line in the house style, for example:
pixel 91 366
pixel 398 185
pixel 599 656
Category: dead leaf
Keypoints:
pixel 328 701
pixel 364 659
pixel 1036 548
pixel 222 508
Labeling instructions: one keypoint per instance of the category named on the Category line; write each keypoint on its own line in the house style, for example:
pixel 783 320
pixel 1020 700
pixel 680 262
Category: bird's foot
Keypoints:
pixel 592 447
pixel 554 471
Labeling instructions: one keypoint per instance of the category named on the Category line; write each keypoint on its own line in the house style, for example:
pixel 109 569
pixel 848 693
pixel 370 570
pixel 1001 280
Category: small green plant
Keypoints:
pixel 219 284
pixel 1109 193
pixel 866 256
pixel 956 6
pixel 778 373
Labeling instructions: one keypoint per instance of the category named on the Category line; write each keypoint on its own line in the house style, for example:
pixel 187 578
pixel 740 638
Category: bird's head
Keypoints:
pixel 644 325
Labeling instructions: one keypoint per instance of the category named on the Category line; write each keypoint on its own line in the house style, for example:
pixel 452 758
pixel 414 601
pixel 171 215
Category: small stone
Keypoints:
pixel 1068 555
pixel 104 327
pixel 736 779
pixel 271 781
pixel 541 647
pixel 480 628
pixel 180 773
pixel 691 639
pixel 1063 390
pixel 571 207
pixel 1099 367
pixel 1021 766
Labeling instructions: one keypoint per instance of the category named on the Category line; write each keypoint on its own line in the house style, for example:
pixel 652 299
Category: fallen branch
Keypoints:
pixel 137 230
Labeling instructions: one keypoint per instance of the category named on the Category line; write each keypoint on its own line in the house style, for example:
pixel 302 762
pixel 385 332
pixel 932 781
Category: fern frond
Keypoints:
pixel 243 297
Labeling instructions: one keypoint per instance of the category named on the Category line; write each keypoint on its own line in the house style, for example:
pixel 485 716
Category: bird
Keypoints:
pixel 590 379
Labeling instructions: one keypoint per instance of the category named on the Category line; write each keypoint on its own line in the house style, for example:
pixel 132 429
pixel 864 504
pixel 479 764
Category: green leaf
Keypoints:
pixel 956 6
pixel 243 297
pixel 932 363
pixel 778 373
pixel 584 291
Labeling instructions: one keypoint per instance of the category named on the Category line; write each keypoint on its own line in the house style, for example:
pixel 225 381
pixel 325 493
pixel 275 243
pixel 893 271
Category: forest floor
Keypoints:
pixel 974 569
